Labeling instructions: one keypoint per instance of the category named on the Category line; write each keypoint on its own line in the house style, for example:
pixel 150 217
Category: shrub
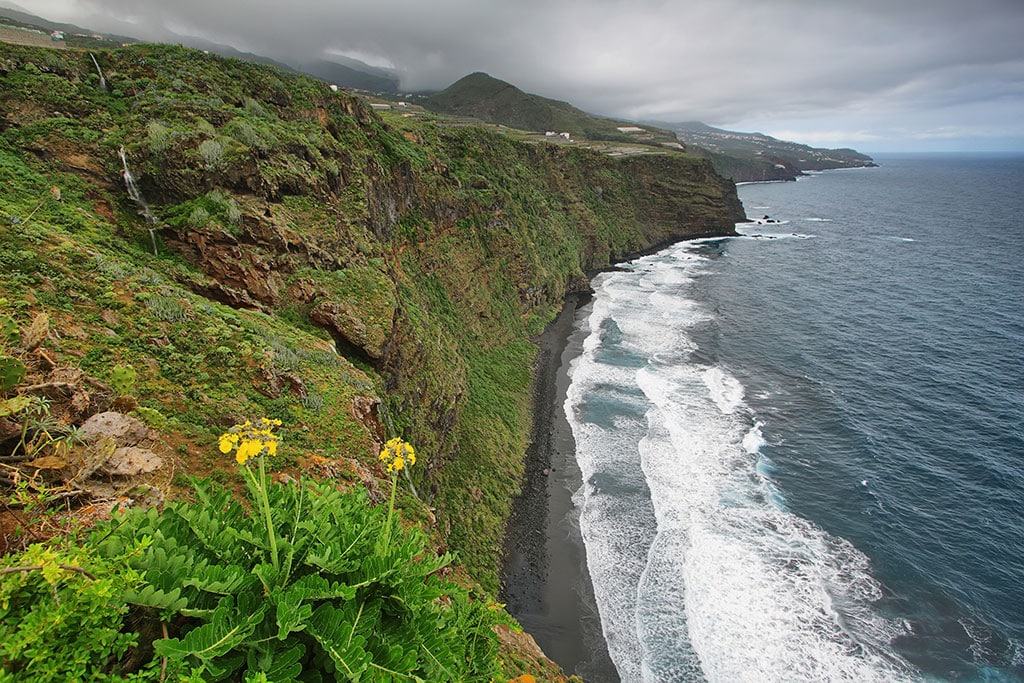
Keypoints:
pixel 61 616
pixel 204 126
pixel 233 213
pixel 255 108
pixel 166 308
pixel 244 133
pixel 198 217
pixel 159 137
pixel 212 153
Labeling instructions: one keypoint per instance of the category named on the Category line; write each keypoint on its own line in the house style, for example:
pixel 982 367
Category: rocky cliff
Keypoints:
pixel 353 276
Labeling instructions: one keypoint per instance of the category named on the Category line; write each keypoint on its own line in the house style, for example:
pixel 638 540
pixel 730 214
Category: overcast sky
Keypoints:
pixel 876 75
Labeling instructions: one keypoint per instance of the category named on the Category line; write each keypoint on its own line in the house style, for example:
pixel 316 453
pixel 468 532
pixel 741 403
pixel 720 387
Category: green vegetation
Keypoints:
pixel 350 276
pixel 307 583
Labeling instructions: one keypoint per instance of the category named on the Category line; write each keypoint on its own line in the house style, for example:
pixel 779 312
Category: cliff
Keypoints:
pixel 306 260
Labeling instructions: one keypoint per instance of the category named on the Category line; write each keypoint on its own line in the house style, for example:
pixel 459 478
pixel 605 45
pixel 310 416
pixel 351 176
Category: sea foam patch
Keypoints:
pixel 698 568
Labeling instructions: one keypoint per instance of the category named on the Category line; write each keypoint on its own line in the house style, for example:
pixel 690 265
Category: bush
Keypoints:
pixel 304 583
pixel 198 217
pixel 212 153
pixel 159 137
pixel 337 603
pixel 61 617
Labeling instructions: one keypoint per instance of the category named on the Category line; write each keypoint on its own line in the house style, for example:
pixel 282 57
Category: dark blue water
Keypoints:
pixel 803 450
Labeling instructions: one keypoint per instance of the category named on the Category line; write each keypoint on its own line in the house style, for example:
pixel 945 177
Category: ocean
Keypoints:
pixel 802 449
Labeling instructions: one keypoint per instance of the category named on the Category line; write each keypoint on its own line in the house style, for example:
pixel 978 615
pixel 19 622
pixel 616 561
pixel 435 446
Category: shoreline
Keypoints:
pixel 545 582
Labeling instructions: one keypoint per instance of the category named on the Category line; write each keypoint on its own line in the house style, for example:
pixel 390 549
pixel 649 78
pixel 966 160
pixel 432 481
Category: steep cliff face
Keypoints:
pixel 290 219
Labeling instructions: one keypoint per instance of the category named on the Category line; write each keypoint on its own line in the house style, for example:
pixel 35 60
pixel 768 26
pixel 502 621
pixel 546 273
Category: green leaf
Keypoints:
pixel 219 579
pixel 337 630
pixel 292 611
pixel 280 664
pixel 151 596
pixel 14 405
pixel 228 628
pixel 315 588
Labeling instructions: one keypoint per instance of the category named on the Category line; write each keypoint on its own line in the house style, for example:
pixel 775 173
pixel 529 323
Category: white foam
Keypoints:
pixel 726 391
pixel 712 577
pixel 818 220
pixel 753 440
pixel 761 231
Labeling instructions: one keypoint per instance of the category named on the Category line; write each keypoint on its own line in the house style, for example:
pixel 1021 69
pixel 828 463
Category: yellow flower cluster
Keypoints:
pixel 396 454
pixel 251 440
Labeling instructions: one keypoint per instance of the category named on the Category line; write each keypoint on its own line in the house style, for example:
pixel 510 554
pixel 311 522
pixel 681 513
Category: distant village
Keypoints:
pixel 35 37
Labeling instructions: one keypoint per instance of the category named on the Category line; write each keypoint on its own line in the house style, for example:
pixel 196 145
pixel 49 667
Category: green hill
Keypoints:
pixel 489 99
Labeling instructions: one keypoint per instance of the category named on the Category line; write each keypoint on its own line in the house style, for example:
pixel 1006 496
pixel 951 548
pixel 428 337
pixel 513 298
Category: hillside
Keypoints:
pixel 341 71
pixel 307 261
pixel 489 99
pixel 350 73
pixel 75 36
pixel 746 157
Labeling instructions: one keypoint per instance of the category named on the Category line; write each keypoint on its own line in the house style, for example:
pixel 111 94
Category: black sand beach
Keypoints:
pixel 545 582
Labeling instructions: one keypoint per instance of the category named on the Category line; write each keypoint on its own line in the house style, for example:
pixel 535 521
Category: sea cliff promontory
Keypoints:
pixel 284 251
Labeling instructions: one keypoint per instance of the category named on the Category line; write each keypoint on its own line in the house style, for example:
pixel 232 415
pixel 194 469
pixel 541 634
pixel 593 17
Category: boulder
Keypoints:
pixel 129 461
pixel 121 430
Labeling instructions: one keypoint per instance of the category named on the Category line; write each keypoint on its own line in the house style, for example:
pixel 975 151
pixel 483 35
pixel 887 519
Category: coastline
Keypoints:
pixel 545 581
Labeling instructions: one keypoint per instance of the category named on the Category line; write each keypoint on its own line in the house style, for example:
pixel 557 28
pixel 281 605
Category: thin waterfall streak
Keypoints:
pixel 103 81
pixel 136 196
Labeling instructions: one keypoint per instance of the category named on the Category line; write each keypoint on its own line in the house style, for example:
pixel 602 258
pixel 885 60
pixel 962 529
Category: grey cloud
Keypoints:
pixel 829 64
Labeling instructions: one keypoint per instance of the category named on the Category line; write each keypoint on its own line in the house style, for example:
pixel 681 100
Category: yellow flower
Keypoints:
pixel 228 442
pixel 251 441
pixel 396 454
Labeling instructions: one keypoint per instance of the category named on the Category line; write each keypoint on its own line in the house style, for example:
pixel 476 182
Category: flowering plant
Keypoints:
pixel 255 441
pixel 395 455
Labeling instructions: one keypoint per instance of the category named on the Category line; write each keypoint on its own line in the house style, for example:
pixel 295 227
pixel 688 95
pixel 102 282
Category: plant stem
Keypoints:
pixel 391 511
pixel 266 511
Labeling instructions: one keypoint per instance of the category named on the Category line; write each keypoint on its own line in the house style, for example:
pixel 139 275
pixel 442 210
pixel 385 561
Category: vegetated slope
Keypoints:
pixel 342 71
pixel 489 99
pixel 354 278
pixel 746 157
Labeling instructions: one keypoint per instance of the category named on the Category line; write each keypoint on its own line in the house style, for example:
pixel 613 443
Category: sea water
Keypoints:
pixel 802 449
